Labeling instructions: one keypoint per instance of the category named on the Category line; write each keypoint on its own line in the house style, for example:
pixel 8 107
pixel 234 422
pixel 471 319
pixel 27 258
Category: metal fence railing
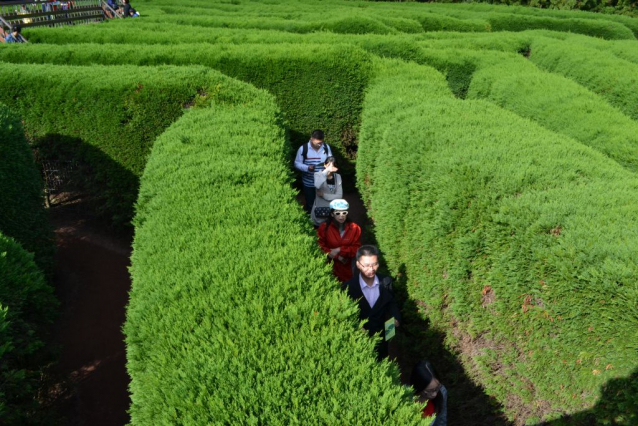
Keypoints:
pixel 50 13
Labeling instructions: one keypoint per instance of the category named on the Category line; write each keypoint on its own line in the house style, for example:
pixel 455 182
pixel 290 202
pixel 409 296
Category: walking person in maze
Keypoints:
pixel 329 187
pixel 310 159
pixel 340 238
pixel 376 300
pixel 427 387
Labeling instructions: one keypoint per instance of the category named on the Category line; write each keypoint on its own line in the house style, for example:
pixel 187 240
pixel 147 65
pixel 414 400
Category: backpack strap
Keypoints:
pixel 386 283
pixel 304 151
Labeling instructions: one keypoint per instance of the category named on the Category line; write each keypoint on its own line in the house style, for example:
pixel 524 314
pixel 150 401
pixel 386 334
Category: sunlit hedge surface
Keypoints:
pixel 112 114
pixel 316 86
pixel 512 235
pixel 234 316
pixel 502 178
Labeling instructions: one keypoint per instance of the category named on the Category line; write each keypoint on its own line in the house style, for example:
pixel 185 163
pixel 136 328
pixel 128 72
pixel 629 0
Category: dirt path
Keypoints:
pixel 92 283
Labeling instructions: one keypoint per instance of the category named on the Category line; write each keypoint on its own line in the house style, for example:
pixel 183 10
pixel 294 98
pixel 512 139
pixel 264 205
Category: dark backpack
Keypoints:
pixel 304 150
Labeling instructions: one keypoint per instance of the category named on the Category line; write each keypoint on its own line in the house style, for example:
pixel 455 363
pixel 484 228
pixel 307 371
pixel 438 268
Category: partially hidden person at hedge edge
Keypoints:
pixel 376 300
pixel 14 36
pixel 310 159
pixel 329 187
pixel 428 388
pixel 128 10
pixel 340 238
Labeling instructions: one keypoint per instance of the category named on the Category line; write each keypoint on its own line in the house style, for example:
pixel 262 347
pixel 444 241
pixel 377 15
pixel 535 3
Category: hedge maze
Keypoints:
pixel 495 147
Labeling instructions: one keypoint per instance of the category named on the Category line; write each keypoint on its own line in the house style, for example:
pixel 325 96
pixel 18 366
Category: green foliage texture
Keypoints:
pixel 497 157
pixel 233 315
pixel 27 306
pixel 317 86
pixel 520 237
pixel 22 214
pixel 115 112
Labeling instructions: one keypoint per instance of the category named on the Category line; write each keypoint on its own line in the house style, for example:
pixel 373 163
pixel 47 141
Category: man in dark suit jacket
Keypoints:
pixel 374 295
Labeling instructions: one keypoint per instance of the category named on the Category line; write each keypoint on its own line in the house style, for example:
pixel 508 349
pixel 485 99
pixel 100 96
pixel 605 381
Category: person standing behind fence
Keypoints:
pixel 340 238
pixel 310 159
pixel 329 187
pixel 14 36
pixel 374 295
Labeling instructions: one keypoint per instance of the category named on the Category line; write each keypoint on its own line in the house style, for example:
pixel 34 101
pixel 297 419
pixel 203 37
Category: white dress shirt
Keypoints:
pixel 371 293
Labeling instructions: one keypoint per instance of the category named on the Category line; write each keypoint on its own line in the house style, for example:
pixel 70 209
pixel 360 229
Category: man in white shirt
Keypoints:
pixel 374 296
pixel 310 159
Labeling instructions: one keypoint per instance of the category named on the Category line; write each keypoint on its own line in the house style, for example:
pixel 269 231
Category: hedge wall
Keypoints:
pixel 114 113
pixel 22 214
pixel 518 241
pixel 27 307
pixel 316 86
pixel 377 116
pixel 233 316
pixel 601 72
pixel 561 105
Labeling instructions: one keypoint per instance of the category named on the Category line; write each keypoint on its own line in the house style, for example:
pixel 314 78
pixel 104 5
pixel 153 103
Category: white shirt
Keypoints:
pixel 371 293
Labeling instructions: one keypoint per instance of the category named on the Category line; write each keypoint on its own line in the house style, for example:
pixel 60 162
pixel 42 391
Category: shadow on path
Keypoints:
pixel 88 385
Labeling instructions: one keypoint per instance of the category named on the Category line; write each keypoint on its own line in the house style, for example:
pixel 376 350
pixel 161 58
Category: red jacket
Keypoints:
pixel 349 243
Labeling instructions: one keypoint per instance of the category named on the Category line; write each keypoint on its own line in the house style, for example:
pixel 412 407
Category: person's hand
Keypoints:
pixel 330 168
pixel 311 168
pixel 334 252
pixel 396 323
pixel 319 193
pixel 342 260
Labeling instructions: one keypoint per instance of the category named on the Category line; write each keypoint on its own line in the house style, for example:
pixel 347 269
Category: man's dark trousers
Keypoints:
pixel 309 193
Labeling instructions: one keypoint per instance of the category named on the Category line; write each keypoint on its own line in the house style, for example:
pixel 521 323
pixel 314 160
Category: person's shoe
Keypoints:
pixel 136 14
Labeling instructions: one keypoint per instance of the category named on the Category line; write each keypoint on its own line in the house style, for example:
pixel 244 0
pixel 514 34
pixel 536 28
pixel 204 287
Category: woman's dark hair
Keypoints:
pixel 329 160
pixel 422 375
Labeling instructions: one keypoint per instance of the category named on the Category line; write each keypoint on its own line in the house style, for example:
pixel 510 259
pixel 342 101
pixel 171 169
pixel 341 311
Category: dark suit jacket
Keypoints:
pixel 385 307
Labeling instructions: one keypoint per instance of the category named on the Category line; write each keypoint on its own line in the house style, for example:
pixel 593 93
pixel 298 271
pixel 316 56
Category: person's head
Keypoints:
pixel 425 383
pixel 316 138
pixel 330 160
pixel 15 30
pixel 368 260
pixel 339 210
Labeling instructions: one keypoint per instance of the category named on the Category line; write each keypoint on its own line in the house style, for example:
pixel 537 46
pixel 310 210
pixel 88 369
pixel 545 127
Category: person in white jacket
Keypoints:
pixel 329 187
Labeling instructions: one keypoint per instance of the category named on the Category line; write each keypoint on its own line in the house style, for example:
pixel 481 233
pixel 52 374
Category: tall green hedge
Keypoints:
pixel 114 113
pixel 22 214
pixel 561 105
pixel 518 242
pixel 234 317
pixel 27 307
pixel 316 86
pixel 601 72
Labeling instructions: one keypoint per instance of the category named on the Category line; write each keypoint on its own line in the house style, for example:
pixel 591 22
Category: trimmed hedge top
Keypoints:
pixel 502 224
pixel 234 316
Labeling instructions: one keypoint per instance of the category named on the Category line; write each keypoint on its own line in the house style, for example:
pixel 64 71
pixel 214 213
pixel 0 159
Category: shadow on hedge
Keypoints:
pixel 93 176
pixel 618 405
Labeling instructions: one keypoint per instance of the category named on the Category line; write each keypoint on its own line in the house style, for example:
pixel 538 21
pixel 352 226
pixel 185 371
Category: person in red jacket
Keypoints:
pixel 340 238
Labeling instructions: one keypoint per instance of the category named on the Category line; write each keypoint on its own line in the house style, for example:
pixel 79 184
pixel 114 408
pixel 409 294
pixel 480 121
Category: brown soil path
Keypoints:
pixel 92 284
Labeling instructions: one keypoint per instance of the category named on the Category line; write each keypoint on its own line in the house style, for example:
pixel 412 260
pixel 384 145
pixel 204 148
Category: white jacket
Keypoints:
pixel 329 194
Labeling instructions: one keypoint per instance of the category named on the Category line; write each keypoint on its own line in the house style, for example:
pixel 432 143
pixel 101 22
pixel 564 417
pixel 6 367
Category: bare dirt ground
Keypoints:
pixel 88 386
